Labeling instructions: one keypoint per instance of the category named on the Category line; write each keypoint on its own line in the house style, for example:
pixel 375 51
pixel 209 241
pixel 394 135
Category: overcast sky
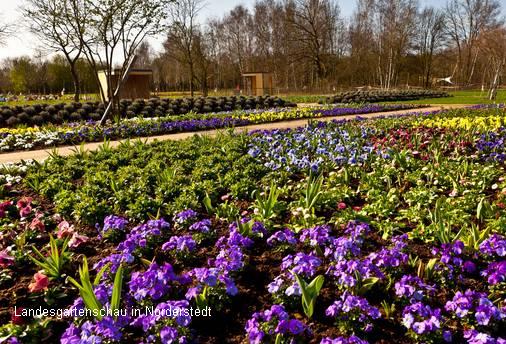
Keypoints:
pixel 24 44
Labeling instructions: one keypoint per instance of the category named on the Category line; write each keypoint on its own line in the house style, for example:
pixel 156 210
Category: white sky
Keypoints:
pixel 23 43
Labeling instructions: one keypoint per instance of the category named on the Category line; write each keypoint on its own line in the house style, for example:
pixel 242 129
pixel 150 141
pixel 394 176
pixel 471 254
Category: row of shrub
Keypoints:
pixel 12 116
pixel 382 96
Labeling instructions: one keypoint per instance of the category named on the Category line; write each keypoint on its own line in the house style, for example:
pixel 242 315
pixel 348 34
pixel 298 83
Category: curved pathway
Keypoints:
pixel 42 154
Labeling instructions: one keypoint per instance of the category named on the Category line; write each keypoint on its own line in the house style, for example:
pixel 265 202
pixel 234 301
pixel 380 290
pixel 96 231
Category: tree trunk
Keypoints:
pixel 77 83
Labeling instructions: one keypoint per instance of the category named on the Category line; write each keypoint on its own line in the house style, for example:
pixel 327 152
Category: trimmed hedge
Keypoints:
pixel 382 96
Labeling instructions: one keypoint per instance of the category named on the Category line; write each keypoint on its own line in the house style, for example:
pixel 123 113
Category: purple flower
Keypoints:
pixel 113 222
pixel 495 272
pixel 168 335
pixel 343 340
pixel 185 216
pixel 412 287
pixel 284 236
pixel 421 318
pixel 291 326
pixel 154 282
pixel 353 308
pixel 203 226
pixel 316 236
pixel 301 264
pixel 180 243
pixel 272 322
pixel 495 245
pixel 474 337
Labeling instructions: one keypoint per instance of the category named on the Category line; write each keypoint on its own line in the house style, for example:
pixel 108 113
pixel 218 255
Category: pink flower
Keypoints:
pixel 341 205
pixel 37 224
pixel 24 212
pixel 357 208
pixel 40 282
pixel 77 240
pixel 6 259
pixel 24 202
pixel 65 230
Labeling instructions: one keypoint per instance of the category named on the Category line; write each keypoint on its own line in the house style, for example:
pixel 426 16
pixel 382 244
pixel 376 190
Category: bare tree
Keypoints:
pixel 314 22
pixel 48 22
pixel 5 31
pixel 430 37
pixel 466 21
pixel 396 27
pixel 493 44
pixel 182 35
pixel 111 31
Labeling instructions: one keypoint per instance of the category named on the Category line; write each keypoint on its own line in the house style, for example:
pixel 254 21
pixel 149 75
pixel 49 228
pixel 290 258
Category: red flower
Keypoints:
pixel 24 212
pixel 357 208
pixel 341 205
pixel 500 205
pixel 3 207
pixel 16 318
pixel 40 283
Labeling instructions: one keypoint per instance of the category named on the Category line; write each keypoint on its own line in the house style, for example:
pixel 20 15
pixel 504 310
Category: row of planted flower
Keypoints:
pixel 75 133
pixel 423 263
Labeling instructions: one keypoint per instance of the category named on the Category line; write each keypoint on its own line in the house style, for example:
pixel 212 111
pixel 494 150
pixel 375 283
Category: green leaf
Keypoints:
pixel 116 291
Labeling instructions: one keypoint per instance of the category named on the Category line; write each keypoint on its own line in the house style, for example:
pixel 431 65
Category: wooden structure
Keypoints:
pixel 257 84
pixel 136 86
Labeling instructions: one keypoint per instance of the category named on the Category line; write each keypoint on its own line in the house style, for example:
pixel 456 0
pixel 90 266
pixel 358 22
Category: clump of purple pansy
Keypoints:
pixel 114 260
pixel 494 246
pixel 97 331
pixel 348 245
pixel 350 273
pixel 451 262
pixel 180 244
pixel 112 226
pixel 139 236
pixel 214 283
pixel 267 326
pixel 474 337
pixel 316 236
pixel 393 256
pixel 353 312
pixel 474 306
pixel 203 226
pixel 155 282
pixel 495 272
pixel 234 238
pixel 413 288
pixel 421 320
pixel 185 217
pixel 282 237
pixel 343 340
pixel 302 264
pixel 172 317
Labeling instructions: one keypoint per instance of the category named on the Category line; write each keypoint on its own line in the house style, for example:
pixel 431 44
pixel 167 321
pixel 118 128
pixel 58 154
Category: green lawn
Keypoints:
pixel 459 97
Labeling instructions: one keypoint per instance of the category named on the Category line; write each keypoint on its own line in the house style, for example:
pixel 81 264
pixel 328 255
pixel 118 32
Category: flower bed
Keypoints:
pixel 34 138
pixel 341 232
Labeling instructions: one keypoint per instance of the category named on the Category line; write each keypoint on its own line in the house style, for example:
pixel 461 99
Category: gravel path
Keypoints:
pixel 68 150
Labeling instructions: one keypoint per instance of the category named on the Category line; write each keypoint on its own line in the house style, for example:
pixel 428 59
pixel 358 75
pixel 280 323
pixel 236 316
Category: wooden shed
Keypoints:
pixel 257 83
pixel 138 84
